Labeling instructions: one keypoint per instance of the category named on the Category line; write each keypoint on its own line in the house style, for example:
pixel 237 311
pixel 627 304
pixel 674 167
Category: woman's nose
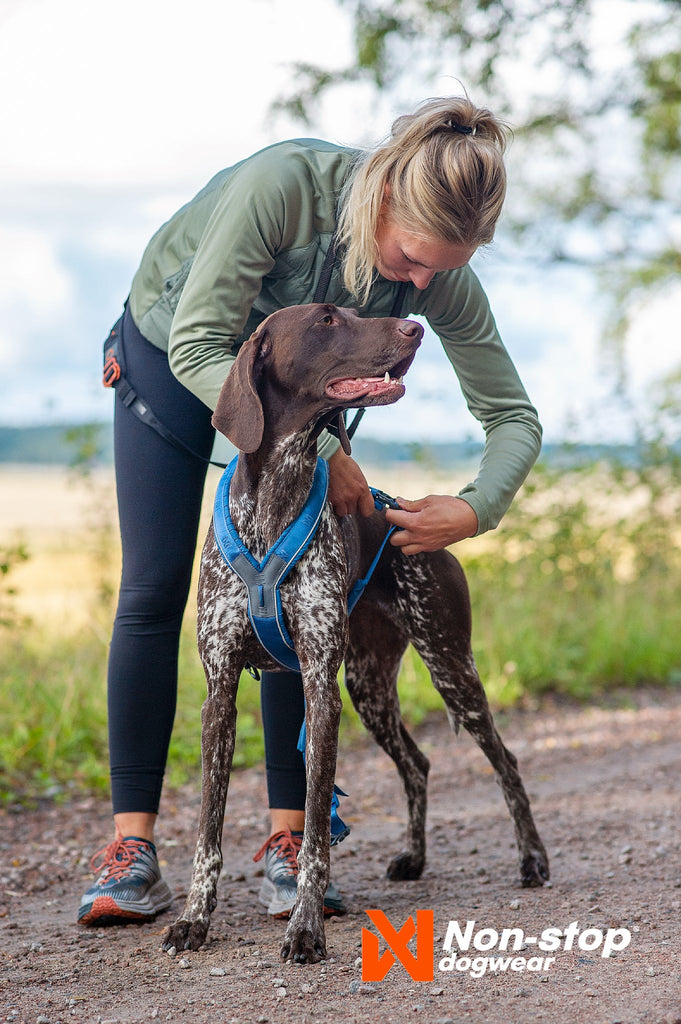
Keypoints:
pixel 421 277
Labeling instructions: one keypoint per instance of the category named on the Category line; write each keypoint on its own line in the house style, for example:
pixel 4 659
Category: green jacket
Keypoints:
pixel 253 241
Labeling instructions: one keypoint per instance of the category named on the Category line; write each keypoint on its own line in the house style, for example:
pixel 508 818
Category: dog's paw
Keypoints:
pixel 405 867
pixel 534 868
pixel 184 935
pixel 303 946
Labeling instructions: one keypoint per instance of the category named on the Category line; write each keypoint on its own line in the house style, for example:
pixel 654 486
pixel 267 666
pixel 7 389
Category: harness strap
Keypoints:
pixel 263 579
pixel 114 377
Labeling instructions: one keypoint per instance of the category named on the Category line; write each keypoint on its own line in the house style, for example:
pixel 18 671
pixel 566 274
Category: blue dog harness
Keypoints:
pixel 262 579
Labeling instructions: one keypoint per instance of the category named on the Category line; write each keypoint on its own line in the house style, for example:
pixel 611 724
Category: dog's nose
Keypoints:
pixel 410 328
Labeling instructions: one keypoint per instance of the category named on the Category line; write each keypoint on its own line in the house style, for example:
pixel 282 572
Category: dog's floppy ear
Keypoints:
pixel 238 414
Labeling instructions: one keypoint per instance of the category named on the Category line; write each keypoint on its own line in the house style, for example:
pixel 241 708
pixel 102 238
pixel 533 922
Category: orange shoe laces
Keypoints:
pixel 115 859
pixel 286 844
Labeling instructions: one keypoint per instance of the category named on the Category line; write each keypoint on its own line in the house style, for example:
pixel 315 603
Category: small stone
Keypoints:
pixel 650 971
pixel 514 904
pixel 184 964
pixel 172 951
pixel 278 982
pixel 358 962
pixel 42 1020
pixel 436 991
pixel 217 972
pixel 281 992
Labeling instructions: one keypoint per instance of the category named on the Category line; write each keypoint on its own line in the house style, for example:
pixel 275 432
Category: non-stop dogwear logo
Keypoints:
pixel 469 940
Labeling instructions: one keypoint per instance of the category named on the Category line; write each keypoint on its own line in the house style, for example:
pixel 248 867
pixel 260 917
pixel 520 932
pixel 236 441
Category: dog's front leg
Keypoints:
pixel 304 941
pixel 218 733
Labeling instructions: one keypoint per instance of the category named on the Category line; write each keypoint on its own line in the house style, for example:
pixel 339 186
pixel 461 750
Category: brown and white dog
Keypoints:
pixel 303 366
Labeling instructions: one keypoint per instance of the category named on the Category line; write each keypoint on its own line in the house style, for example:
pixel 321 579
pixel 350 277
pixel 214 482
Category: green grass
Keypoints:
pixel 567 599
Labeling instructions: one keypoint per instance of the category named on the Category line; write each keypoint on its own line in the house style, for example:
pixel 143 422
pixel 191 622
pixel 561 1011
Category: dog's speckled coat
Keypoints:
pixel 273 406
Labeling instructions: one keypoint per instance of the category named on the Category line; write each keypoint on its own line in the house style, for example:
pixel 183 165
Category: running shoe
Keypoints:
pixel 130 887
pixel 279 886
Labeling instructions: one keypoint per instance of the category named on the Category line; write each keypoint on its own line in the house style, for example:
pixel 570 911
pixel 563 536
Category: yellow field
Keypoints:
pixel 63 521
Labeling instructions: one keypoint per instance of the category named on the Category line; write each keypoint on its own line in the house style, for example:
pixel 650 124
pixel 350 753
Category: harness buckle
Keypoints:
pixel 112 369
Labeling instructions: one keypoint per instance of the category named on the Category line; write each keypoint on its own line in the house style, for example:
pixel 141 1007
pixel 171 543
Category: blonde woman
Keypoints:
pixel 405 220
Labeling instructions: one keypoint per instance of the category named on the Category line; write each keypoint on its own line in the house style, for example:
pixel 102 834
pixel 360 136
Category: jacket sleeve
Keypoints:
pixel 457 309
pixel 237 249
pixel 258 214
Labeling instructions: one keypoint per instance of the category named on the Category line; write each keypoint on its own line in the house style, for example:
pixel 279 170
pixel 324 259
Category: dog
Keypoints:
pixel 300 369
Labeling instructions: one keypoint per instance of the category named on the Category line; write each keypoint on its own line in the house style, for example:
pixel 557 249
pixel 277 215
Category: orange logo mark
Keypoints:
pixel 421 966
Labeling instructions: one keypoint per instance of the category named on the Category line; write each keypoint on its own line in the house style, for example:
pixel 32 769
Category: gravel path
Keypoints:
pixel 605 789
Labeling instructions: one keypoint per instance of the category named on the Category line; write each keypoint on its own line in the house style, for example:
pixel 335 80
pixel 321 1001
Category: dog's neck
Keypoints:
pixel 270 487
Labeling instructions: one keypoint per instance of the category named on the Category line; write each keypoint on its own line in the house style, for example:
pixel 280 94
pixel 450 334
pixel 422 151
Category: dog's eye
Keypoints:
pixel 328 319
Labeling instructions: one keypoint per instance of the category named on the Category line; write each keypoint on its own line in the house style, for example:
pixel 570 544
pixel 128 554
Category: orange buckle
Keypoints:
pixel 112 370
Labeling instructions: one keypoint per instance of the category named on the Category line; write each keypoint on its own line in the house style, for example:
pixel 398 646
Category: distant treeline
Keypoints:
pixel 65 444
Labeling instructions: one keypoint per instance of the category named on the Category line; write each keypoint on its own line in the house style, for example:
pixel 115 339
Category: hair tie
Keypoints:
pixel 462 129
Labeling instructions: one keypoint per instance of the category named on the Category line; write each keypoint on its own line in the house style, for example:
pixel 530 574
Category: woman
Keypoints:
pixel 252 241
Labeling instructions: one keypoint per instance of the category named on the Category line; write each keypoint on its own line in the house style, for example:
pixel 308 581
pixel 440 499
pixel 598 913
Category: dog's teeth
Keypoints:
pixel 400 379
pixel 386 379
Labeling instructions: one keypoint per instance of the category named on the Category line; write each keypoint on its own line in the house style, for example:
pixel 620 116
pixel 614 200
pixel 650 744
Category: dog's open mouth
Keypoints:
pixel 351 389
pixel 385 389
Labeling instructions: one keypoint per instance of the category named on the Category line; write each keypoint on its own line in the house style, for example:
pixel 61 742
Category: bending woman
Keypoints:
pixel 413 211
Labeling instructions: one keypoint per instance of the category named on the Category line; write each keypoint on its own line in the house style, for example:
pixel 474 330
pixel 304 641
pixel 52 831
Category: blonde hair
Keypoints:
pixel 444 169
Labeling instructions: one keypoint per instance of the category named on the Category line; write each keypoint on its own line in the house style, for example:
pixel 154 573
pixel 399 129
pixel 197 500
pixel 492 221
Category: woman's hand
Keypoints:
pixel 432 522
pixel 348 490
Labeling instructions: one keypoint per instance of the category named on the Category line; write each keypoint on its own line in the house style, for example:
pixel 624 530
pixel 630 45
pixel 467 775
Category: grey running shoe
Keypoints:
pixel 279 886
pixel 130 887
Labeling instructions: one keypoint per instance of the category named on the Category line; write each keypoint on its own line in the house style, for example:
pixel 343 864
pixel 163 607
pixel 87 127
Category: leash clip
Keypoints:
pixel 383 500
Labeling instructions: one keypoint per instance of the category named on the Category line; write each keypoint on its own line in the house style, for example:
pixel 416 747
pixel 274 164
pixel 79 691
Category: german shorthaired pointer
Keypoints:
pixel 301 367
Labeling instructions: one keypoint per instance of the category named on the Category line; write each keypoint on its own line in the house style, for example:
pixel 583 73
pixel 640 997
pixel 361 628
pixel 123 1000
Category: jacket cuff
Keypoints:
pixel 327 444
pixel 472 496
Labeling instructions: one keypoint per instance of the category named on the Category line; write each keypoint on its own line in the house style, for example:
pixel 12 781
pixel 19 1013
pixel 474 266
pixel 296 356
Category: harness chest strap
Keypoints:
pixel 263 579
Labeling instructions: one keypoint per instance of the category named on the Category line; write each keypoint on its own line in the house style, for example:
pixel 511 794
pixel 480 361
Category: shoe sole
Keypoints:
pixel 106 910
pixel 279 908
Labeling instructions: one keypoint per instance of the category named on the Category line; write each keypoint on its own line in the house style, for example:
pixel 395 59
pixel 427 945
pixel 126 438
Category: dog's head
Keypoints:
pixel 304 364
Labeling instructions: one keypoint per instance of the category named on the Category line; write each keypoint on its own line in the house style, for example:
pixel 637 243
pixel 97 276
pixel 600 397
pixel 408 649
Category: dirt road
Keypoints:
pixel 605 789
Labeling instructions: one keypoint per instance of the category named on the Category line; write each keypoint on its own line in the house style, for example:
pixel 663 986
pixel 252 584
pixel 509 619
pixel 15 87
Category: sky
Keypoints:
pixel 113 115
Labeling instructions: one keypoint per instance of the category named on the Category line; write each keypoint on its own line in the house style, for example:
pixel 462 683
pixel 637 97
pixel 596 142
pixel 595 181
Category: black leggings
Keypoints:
pixel 159 503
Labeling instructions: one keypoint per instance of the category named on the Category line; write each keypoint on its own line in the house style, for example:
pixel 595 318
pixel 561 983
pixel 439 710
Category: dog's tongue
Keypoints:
pixel 359 387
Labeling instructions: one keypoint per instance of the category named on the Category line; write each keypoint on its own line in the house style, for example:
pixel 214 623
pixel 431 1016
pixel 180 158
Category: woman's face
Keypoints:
pixel 406 257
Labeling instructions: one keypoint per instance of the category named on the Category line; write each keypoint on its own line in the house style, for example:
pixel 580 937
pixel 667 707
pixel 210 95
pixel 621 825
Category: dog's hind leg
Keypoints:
pixel 371 667
pixel 438 610
pixel 475 716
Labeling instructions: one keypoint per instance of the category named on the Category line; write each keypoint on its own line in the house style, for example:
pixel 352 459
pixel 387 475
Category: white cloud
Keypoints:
pixel 35 290
pixel 153 91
